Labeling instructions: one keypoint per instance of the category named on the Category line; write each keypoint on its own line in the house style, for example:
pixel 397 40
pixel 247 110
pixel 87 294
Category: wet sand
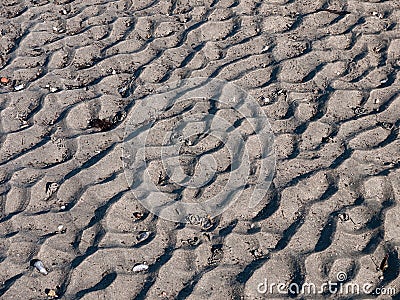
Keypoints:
pixel 325 73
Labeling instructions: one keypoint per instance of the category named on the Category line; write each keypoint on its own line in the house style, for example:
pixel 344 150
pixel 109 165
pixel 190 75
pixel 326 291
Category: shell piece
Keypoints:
pixel 143 235
pixel 102 124
pixel 119 117
pixel 51 188
pixel 38 264
pixel 204 223
pixel 19 87
pixel 384 264
pixel 140 268
pixel 61 229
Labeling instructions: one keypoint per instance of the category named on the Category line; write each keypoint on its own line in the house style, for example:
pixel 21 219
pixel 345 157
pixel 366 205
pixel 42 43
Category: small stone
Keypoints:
pixel 51 293
pixel 4 80
pixel 138 215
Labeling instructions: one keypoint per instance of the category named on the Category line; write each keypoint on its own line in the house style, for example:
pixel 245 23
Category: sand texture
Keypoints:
pixel 325 73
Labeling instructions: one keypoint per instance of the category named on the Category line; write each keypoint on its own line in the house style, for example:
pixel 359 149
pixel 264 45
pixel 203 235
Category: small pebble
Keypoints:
pixel 163 294
pixel 51 293
pixel 4 80
pixel 137 215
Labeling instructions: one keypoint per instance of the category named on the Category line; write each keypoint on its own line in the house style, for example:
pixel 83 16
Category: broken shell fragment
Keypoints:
pixel 38 264
pixel 61 229
pixel 140 267
pixel 119 116
pixel 192 241
pixel 18 87
pixel 101 124
pixel 204 223
pixel 257 253
pixel 53 89
pixel 143 235
pixel 384 264
pixel 344 217
pixel 216 254
pixel 51 188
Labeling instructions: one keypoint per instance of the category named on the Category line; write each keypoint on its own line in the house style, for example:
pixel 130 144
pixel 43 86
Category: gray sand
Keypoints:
pixel 325 73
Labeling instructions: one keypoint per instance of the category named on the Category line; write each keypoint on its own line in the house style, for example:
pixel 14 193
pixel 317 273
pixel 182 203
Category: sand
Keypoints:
pixel 324 73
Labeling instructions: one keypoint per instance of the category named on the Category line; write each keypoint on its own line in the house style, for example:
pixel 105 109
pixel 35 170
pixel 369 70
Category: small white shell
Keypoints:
pixel 143 235
pixel 140 267
pixel 19 87
pixel 40 267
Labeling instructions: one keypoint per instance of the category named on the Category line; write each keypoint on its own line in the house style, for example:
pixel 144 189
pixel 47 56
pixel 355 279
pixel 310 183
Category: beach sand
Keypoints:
pixel 325 73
